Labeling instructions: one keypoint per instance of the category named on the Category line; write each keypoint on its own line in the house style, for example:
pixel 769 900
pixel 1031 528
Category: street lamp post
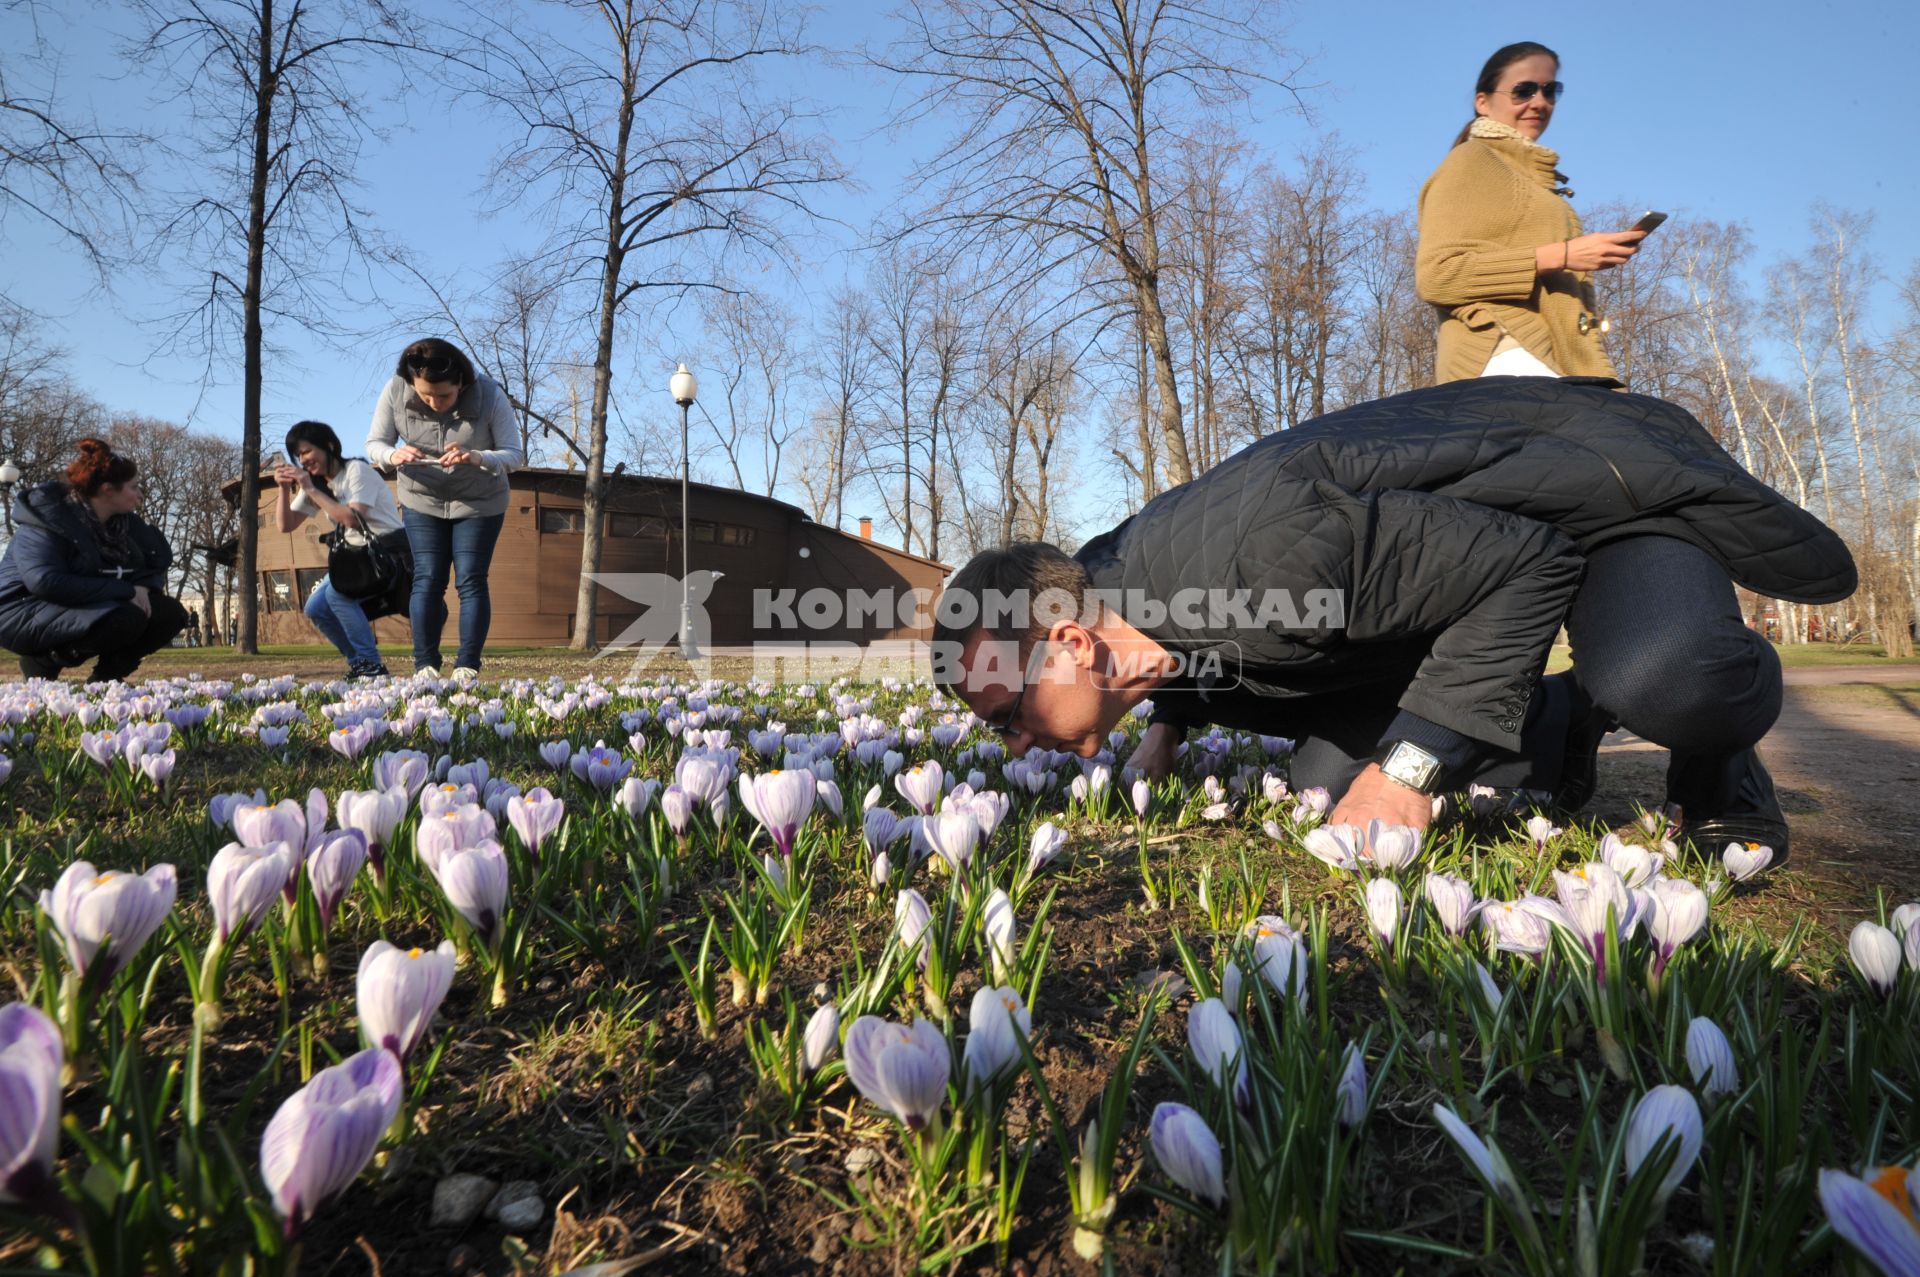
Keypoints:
pixel 9 475
pixel 684 388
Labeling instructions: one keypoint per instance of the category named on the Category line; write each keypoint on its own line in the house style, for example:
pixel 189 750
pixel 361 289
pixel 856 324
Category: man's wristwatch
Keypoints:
pixel 1405 763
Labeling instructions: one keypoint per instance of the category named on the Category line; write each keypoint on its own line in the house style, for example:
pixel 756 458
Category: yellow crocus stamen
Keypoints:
pixel 1754 846
pixel 1891 1183
pixel 414 952
pixel 108 876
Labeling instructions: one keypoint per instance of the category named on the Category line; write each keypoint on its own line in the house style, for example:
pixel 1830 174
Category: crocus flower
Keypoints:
pixel 1452 901
pixel 992 1022
pixel 999 924
pixel 1904 917
pixel 376 814
pixel 475 882
pixel 1635 864
pixel 241 884
pixel 921 786
pixel 677 806
pixel 1314 803
pixel 1516 928
pixel 31 1059
pixel 406 768
pixel 1876 953
pixel 220 807
pixel 332 867
pixel 1710 1057
pixel 1594 898
pixel 601 767
pixel 1351 1092
pixel 1142 795
pixel 1541 831
pixel 879 827
pixel 1392 848
pixel 1744 860
pixel 557 754
pixel 6 768
pixel 155 767
pixel 822 1039
pixel 1664 1112
pixel 1385 904
pixel 902 1068
pixel 1047 841
pixel 320 1140
pixel 1876 1215
pixel 780 800
pixel 398 991
pixel 636 795
pixel 104 918
pixel 351 741
pixel 534 817
pixel 1337 845
pixel 1214 1039
pixel 263 825
pixel 1486 1159
pixel 1677 915
pixel 954 835
pixel 911 918
pixel 451 830
pixel 1189 1152
pixel 1281 955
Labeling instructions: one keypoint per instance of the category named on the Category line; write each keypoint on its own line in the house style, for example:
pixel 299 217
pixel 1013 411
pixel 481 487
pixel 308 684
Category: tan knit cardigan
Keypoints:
pixel 1482 213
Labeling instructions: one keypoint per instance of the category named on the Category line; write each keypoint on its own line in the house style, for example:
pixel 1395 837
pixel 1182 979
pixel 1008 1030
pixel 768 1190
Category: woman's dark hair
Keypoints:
pixel 96 466
pixel 438 361
pixel 320 435
pixel 1503 57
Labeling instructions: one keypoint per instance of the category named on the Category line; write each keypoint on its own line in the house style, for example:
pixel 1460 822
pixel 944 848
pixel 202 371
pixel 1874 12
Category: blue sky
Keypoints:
pixel 1729 111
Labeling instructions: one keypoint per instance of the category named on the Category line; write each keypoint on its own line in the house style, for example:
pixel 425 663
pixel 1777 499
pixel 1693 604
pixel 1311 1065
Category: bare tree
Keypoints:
pixel 267 203
pixel 751 349
pixel 1066 111
pixel 55 167
pixel 844 353
pixel 643 127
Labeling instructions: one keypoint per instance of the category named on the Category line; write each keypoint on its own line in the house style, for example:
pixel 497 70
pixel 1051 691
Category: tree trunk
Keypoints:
pixel 248 565
pixel 1154 321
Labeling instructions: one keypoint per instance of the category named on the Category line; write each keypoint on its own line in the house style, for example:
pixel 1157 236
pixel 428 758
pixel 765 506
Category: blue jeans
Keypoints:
pixel 463 547
pixel 344 623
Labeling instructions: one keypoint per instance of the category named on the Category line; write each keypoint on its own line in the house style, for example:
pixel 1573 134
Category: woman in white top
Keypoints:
pixel 325 482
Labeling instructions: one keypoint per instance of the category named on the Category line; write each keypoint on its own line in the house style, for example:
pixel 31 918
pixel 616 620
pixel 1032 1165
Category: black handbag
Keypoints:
pixel 369 568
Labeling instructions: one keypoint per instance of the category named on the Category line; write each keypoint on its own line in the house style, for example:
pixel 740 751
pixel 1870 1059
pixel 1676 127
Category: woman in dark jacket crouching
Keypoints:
pixel 84 576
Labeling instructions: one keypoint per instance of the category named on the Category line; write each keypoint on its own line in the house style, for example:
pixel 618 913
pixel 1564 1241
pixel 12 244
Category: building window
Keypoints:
pixel 305 579
pixel 279 591
pixel 702 530
pixel 557 519
pixel 734 534
pixel 636 525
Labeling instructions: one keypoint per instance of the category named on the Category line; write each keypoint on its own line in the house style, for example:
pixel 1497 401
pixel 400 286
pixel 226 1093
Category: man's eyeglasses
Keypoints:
pixel 1524 91
pixel 1003 723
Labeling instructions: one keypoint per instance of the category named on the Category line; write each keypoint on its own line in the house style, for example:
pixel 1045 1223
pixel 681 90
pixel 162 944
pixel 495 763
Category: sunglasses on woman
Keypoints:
pixel 1524 91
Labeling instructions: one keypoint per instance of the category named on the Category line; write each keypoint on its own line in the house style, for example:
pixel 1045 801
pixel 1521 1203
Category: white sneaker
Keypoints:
pixel 427 671
pixel 464 674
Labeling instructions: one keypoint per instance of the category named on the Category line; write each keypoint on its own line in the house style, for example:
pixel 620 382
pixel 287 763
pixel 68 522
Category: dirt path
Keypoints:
pixel 1846 757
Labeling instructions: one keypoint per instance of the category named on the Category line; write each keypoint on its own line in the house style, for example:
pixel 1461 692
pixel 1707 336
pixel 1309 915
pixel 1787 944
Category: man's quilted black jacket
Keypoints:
pixel 1454 520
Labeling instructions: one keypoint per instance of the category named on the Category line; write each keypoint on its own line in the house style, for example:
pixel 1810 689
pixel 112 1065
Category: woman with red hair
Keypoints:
pixel 84 576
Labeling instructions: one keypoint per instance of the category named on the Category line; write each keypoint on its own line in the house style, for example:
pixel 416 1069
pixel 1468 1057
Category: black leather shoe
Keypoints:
pixel 1587 726
pixel 41 666
pixel 1753 816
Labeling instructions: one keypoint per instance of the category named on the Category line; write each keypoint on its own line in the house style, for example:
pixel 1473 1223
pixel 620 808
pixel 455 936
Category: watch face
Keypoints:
pixel 1411 766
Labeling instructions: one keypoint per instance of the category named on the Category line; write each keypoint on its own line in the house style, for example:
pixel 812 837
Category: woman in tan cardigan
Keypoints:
pixel 1502 255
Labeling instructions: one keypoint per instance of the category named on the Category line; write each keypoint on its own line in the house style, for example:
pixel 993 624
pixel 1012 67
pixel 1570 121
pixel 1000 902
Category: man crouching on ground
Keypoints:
pixel 1384 583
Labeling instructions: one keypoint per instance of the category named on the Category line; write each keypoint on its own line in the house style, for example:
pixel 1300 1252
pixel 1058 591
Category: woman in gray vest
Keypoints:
pixel 451 435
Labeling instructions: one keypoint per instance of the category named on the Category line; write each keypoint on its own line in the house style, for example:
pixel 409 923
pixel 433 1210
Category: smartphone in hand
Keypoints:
pixel 1648 221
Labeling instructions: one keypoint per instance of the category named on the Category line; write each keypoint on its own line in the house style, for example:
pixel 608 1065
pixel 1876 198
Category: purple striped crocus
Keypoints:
pixel 407 768
pixel 376 814
pixel 241 884
pixel 398 991
pixel 557 754
pixel 636 795
pixel 601 767
pixel 475 882
pixel 921 786
pixel 104 918
pixel 31 1059
pixel 781 801
pixel 321 1139
pixel 332 867
pixel 1878 1215
pixel 1189 1152
pixel 266 824
pixel 534 817
pixel 436 837
pixel 902 1068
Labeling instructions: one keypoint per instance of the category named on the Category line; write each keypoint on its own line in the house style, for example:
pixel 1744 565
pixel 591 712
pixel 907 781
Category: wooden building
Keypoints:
pixel 755 542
